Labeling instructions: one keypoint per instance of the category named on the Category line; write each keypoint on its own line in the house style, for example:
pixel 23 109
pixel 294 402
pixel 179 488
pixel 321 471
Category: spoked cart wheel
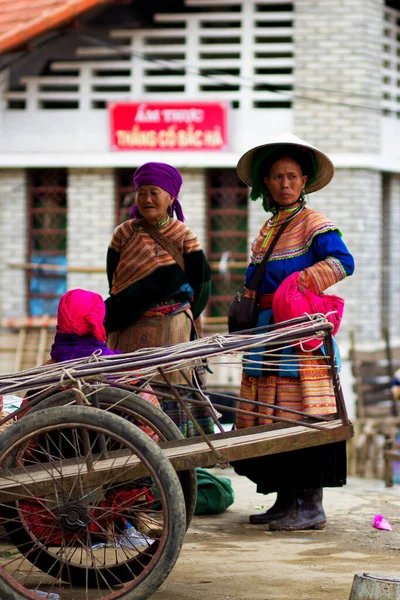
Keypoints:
pixel 91 505
pixel 141 412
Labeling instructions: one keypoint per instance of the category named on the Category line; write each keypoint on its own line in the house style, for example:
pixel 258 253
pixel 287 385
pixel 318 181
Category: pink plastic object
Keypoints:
pixel 289 302
pixel 381 523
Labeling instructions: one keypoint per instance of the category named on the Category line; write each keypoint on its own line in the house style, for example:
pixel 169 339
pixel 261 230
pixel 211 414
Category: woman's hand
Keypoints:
pixel 249 293
pixel 396 392
pixel 301 282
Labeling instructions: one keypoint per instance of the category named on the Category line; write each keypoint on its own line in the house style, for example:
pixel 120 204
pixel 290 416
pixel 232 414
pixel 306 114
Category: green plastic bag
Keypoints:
pixel 214 494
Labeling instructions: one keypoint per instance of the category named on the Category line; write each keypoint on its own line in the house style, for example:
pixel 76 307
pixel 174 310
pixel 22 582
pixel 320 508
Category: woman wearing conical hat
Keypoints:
pixel 280 174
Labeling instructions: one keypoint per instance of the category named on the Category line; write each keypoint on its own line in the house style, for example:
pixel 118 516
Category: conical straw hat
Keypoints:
pixel 325 169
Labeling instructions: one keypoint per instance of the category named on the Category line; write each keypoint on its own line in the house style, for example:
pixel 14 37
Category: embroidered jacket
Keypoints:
pixel 311 244
pixel 142 274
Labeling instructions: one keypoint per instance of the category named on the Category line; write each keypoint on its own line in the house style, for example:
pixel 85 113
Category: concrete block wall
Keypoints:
pixel 193 198
pixel 13 231
pixel 338 61
pixel 352 200
pixel 392 206
pixel 91 221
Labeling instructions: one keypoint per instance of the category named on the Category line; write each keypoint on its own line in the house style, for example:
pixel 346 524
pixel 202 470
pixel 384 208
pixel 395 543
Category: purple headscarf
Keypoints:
pixel 164 176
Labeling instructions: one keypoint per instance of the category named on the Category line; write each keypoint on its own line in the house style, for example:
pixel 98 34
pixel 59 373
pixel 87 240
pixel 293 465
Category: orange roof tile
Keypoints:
pixel 24 20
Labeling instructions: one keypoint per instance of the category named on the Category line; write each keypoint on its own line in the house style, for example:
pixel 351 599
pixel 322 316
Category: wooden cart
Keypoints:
pixel 97 485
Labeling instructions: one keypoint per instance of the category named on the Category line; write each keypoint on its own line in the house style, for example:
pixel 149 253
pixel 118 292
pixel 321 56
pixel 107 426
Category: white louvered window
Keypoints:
pixel 237 51
pixel 391 63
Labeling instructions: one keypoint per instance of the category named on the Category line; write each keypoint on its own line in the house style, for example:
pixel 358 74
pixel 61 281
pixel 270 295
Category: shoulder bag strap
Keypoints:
pixel 165 243
pixel 254 283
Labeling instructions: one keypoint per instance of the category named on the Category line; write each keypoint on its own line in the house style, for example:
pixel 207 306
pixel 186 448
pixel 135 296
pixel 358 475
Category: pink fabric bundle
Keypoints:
pixel 82 312
pixel 290 302
pixel 381 523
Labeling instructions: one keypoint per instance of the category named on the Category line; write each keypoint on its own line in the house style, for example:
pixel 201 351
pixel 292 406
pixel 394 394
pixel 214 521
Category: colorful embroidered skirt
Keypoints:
pixel 165 330
pixel 312 393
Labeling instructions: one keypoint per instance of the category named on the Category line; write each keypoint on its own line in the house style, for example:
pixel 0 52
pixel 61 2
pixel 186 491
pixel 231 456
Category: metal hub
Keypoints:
pixel 73 516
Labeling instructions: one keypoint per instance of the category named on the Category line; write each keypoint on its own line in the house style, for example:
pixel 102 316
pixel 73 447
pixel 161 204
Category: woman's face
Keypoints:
pixel 153 203
pixel 285 181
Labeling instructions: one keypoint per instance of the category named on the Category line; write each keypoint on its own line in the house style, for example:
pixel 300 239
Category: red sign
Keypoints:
pixel 168 126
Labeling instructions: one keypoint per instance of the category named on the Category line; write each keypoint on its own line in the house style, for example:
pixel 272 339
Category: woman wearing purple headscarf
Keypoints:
pixel 154 301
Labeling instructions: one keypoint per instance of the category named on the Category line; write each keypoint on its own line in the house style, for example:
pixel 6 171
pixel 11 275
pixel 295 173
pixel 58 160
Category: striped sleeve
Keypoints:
pixel 120 233
pixel 190 242
pixel 334 263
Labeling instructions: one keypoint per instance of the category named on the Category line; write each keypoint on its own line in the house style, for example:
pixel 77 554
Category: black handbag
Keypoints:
pixel 244 309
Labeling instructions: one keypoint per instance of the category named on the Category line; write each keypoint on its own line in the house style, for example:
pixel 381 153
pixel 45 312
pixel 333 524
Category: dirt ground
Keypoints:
pixel 226 558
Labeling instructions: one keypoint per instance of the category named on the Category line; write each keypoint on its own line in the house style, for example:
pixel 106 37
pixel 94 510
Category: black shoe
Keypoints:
pixel 307 514
pixel 285 502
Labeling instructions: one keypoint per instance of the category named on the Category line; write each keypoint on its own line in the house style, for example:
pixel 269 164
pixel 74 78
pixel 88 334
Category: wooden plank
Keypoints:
pixel 8 341
pixel 60 268
pixel 378 392
pixel 42 349
pixel 264 443
pixel 379 421
pixel 392 454
pixel 31 322
pixel 373 371
pixel 360 410
pixel 373 356
pixel 375 384
pixel 381 399
pixel 184 454
pixel 20 348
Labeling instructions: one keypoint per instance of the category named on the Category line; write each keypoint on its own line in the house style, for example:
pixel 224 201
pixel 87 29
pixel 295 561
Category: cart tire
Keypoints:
pixel 132 406
pixel 53 443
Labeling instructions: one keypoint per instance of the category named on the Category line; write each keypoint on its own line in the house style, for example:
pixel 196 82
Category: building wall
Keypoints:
pixel 337 57
pixel 338 53
pixel 352 201
pixel 338 62
pixel 392 208
pixel 335 52
pixel 193 198
pixel 91 220
pixel 13 230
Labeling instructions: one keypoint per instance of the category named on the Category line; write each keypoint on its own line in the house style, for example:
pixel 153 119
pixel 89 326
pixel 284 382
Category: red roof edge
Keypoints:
pixel 47 21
